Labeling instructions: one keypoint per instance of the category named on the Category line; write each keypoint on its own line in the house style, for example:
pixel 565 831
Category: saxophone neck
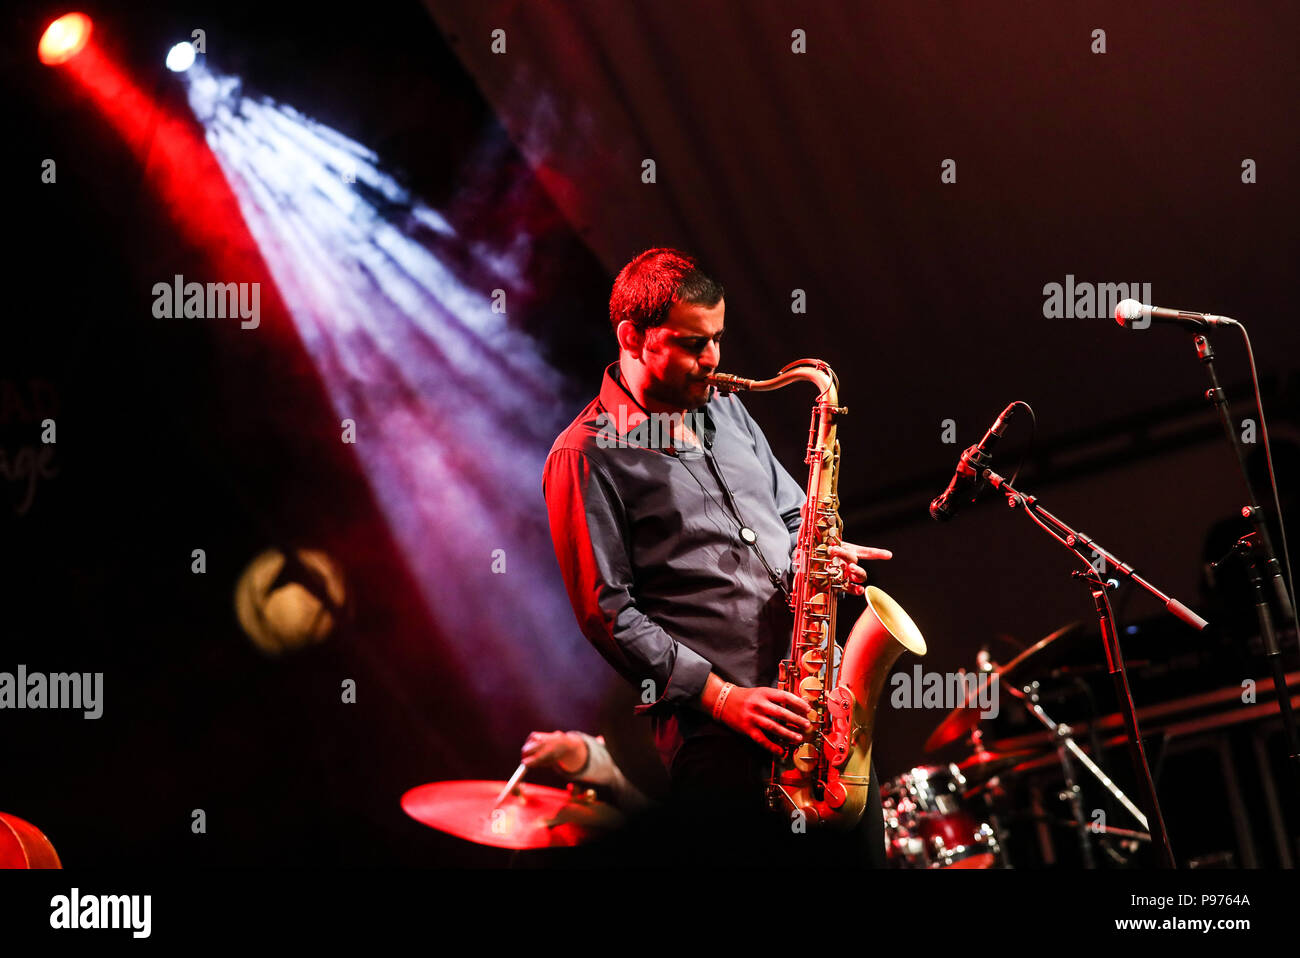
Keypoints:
pixel 808 370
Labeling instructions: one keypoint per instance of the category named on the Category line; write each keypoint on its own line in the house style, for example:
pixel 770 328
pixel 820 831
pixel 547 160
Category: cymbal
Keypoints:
pixel 531 816
pixel 984 763
pixel 1045 654
pixel 958 723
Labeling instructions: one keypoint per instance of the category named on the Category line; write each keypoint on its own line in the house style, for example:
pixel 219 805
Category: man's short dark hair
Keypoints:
pixel 647 287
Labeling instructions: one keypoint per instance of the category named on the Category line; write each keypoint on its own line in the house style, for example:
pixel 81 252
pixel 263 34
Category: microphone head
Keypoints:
pixel 1127 311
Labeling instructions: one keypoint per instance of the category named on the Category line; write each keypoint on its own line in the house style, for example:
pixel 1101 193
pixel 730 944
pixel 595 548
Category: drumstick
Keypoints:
pixel 514 780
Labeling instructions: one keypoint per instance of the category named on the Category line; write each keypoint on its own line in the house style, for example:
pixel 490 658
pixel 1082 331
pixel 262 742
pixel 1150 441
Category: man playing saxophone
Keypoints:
pixel 673 525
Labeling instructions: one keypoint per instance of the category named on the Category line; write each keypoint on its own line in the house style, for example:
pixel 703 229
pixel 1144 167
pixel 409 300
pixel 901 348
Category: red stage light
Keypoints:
pixel 64 39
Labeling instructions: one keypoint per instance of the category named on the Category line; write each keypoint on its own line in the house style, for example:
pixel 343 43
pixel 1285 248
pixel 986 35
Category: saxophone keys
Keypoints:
pixel 805 757
pixel 836 747
pixel 813 662
pixel 814 628
pixel 836 794
pixel 835 743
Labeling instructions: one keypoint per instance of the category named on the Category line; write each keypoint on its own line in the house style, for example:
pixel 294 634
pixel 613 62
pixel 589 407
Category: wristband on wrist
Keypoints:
pixel 721 700
pixel 587 762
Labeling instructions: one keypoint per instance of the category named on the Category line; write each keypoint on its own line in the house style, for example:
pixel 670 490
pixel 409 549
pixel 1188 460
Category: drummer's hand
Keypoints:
pixel 562 751
pixel 855 577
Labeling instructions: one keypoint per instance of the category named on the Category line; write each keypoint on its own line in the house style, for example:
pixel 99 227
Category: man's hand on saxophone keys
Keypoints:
pixel 848 555
pixel 774 719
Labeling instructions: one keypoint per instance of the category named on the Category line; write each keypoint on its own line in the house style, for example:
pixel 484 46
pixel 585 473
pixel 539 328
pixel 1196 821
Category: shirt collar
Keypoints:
pixel 613 395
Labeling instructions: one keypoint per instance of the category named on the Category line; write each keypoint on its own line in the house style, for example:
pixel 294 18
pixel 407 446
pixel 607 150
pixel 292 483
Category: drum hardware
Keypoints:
pixel 1065 748
pixel 1110 831
pixel 981 769
pixel 992 792
pixel 1071 793
pixel 1064 734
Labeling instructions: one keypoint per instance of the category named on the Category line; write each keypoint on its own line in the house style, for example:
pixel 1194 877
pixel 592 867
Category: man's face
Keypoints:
pixel 680 353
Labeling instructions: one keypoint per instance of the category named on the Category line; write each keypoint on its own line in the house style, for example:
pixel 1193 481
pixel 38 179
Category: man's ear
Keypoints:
pixel 629 337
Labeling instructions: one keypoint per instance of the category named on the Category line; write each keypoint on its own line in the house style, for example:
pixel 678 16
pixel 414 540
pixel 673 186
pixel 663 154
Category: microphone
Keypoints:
pixel 973 460
pixel 1129 313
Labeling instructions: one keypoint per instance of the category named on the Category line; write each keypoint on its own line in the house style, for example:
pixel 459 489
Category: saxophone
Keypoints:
pixel 826 778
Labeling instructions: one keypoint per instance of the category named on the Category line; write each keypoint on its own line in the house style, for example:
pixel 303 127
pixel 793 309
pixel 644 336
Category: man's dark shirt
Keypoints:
pixel 649 543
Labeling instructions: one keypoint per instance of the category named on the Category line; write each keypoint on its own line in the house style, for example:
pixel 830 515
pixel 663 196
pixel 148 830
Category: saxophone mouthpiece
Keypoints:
pixel 726 383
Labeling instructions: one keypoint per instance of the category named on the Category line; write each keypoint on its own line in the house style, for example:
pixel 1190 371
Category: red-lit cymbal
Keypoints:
pixel 531 816
pixel 958 723
pixel 984 763
pixel 23 845
pixel 1042 656
pixel 1060 649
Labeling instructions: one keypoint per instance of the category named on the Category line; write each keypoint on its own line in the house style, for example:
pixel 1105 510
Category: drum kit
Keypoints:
pixel 927 824
pixel 936 816
pixel 932 813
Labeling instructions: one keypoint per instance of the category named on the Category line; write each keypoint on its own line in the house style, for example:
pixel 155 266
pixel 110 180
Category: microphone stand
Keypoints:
pixel 1256 551
pixel 1074 541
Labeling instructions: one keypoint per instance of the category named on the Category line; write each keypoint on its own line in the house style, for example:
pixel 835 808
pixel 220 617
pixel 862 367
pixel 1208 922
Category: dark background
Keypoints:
pixel 818 172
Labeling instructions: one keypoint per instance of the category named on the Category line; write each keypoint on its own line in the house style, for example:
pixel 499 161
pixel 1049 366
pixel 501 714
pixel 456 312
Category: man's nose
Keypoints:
pixel 711 356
